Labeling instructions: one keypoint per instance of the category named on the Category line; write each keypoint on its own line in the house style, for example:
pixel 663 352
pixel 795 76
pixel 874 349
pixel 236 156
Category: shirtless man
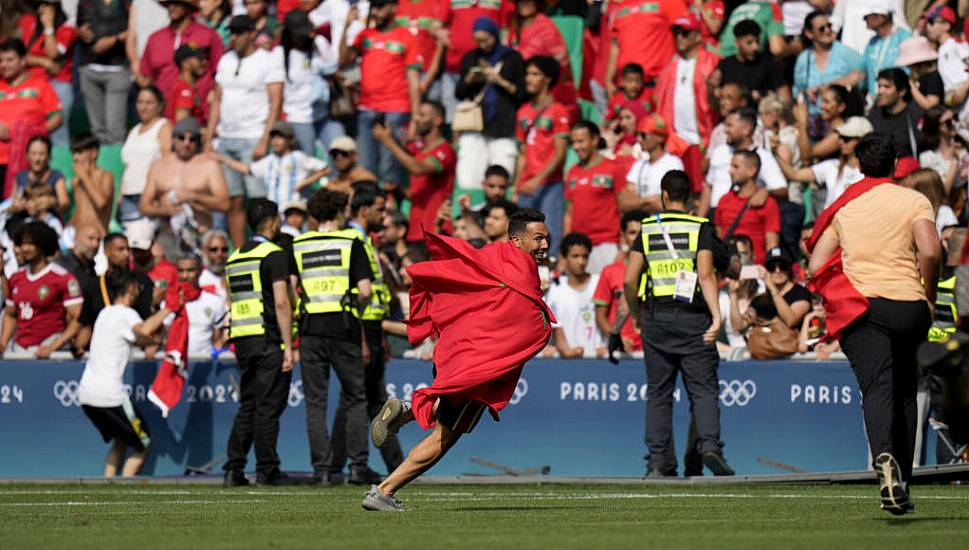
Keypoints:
pixel 345 170
pixel 93 188
pixel 185 179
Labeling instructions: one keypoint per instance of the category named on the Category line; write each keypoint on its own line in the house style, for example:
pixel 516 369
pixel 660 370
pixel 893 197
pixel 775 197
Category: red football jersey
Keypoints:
pixel 40 300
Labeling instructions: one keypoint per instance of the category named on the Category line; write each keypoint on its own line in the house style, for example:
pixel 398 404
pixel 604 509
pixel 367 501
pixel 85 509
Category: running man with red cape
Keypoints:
pixel 486 308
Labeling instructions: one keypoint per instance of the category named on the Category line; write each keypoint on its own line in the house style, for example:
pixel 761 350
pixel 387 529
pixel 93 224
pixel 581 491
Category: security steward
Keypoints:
pixel 258 282
pixel 367 210
pixel 946 312
pixel 331 264
pixel 671 273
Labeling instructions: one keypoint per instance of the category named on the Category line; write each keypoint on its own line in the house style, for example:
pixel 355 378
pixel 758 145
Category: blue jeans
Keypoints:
pixel 128 210
pixel 65 92
pixel 449 84
pixel 550 200
pixel 324 131
pixel 372 155
pixel 241 186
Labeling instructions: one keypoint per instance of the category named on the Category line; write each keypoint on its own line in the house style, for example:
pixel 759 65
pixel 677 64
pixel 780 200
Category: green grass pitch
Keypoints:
pixel 513 517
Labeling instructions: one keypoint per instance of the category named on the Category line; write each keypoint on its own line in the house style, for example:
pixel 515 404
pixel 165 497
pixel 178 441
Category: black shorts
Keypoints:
pixel 460 417
pixel 117 423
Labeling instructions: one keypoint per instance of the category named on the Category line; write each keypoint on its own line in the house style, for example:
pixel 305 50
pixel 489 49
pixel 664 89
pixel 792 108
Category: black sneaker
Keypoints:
pixel 654 473
pixel 895 499
pixel 323 480
pixel 277 479
pixel 364 476
pixel 717 464
pixel 234 478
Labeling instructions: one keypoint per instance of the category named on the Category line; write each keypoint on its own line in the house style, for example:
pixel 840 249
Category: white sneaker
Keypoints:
pixel 375 501
pixel 388 422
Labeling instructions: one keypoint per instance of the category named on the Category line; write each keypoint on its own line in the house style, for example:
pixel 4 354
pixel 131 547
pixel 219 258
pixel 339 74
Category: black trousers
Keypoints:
pixel 317 355
pixel 376 390
pixel 263 392
pixel 672 344
pixel 881 346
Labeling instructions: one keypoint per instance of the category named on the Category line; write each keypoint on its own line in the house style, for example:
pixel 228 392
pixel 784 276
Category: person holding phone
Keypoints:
pixel 670 272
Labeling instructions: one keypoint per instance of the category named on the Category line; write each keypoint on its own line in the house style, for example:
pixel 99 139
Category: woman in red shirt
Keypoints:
pixel 49 38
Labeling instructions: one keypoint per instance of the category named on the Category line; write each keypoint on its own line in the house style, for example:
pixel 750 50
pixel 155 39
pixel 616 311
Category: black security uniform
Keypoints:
pixel 375 385
pixel 254 330
pixel 672 333
pixel 330 266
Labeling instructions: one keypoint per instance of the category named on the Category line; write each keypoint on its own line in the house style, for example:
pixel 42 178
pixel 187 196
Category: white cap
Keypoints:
pixel 878 7
pixel 140 233
pixel 855 127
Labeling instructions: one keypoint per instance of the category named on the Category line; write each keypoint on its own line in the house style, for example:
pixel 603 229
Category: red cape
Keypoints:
pixel 166 390
pixel 486 308
pixel 842 301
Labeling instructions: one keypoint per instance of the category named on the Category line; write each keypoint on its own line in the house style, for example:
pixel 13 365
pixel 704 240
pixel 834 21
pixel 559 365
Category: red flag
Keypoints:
pixel 842 301
pixel 166 390
pixel 486 308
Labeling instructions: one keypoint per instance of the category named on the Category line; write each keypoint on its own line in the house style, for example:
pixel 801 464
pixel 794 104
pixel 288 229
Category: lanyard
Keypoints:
pixel 666 237
pixel 883 51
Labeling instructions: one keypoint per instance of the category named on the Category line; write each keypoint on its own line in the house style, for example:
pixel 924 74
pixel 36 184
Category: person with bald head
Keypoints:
pixel 79 261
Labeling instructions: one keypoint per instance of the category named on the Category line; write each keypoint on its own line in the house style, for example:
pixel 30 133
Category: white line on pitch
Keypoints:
pixel 121 502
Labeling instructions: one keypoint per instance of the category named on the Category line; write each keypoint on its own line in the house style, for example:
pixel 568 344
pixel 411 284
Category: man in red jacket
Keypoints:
pixel 682 94
pixel 494 291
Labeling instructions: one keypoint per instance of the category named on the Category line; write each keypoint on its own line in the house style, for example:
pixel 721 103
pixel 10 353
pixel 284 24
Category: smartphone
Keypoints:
pixel 380 119
pixel 749 272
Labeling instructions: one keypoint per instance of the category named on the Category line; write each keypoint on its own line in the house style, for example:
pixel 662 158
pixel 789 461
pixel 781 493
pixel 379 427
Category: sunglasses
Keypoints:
pixel 214 249
pixel 188 137
pixel 642 135
pixel 339 153
pixel 823 28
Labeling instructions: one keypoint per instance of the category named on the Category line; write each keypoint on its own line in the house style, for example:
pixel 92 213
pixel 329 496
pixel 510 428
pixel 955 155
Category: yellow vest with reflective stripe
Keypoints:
pixel 323 261
pixel 379 305
pixel 946 312
pixel 245 290
pixel 662 265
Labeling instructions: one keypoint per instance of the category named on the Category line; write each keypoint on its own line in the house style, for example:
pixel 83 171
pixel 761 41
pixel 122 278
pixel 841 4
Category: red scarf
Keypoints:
pixel 842 301
pixel 166 390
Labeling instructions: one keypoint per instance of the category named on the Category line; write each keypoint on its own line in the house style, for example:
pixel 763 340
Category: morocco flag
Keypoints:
pixel 486 308
pixel 166 390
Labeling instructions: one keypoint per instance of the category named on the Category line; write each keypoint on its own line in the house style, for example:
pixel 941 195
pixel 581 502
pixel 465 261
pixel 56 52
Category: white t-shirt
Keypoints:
pixel 213 283
pixel 245 99
pixel 826 174
pixel 335 13
pixel 305 75
pixel 645 177
pixel 684 102
pixel 576 314
pixel 952 64
pixel 111 341
pixel 718 177
pixel 945 217
pixel 281 174
pixel 204 315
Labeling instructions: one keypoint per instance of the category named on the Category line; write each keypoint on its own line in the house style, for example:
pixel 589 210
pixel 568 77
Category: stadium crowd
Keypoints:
pixel 133 133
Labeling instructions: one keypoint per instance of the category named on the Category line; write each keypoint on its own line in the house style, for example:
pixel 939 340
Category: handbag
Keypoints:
pixel 341 99
pixel 772 340
pixel 469 115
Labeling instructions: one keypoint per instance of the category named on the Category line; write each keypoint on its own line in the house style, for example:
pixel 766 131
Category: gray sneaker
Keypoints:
pixel 894 494
pixel 375 501
pixel 388 422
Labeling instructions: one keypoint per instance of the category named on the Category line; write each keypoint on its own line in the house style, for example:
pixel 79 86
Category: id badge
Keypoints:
pixel 685 286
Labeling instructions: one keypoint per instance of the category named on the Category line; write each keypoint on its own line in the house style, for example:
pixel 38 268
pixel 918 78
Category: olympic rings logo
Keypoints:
pixel 66 393
pixel 521 390
pixel 295 393
pixel 736 392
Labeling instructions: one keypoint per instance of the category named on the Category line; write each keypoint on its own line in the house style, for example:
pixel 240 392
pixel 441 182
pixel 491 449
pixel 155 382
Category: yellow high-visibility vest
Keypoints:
pixel 245 290
pixel 662 264
pixel 323 262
